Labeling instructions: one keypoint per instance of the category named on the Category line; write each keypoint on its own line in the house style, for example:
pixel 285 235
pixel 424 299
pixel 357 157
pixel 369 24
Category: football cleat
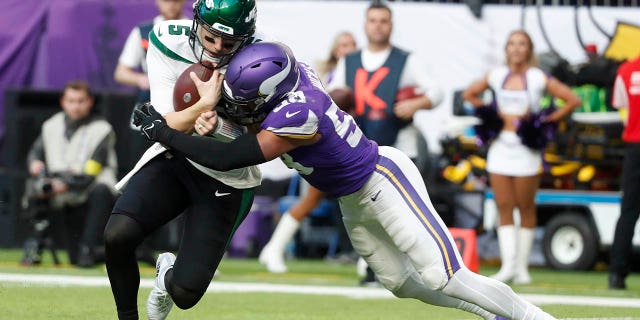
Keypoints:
pixel 159 302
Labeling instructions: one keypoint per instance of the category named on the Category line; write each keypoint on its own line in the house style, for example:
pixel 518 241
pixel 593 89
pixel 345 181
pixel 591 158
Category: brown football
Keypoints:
pixel 408 92
pixel 343 97
pixel 185 93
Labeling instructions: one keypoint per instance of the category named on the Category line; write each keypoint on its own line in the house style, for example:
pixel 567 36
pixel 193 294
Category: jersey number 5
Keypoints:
pixel 345 128
pixel 178 30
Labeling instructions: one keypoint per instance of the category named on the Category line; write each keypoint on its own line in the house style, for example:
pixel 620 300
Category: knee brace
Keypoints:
pixel 433 276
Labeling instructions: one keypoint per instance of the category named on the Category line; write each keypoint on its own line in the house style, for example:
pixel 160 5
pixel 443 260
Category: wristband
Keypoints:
pixel 227 131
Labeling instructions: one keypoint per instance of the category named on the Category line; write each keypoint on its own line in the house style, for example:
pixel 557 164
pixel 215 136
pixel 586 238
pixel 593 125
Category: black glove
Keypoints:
pixel 150 121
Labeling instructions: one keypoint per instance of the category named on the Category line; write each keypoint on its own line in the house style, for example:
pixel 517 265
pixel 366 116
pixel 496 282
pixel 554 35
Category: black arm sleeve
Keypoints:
pixel 242 152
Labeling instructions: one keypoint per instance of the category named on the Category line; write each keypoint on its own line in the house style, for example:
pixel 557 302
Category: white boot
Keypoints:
pixel 272 255
pixel 159 302
pixel 524 242
pixel 507 241
pixel 361 267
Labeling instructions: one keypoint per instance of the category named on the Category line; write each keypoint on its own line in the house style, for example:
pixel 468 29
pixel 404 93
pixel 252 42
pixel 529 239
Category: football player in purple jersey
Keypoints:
pixel 383 199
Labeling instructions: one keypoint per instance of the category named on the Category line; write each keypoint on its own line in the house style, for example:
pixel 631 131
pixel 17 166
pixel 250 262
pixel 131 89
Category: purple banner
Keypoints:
pixel 21 25
pixel 44 44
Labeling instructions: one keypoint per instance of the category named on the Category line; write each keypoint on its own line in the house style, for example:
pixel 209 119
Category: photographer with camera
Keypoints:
pixel 73 167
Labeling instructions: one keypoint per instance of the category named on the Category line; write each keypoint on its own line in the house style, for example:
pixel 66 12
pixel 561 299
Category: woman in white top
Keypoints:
pixel 514 169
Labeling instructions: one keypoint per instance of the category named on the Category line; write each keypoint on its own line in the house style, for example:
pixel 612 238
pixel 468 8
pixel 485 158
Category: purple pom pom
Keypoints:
pixel 534 132
pixel 490 126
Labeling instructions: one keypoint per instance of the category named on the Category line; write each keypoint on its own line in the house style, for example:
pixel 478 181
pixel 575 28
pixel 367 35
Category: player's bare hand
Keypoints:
pixel 209 91
pixel 206 122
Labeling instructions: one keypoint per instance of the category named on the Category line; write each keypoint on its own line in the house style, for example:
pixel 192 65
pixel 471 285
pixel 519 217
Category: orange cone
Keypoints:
pixel 466 241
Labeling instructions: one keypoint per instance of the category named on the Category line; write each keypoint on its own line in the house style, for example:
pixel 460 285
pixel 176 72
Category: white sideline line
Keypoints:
pixel 351 292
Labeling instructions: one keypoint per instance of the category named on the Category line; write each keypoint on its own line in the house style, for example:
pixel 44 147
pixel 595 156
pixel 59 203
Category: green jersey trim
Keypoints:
pixel 166 51
pixel 245 207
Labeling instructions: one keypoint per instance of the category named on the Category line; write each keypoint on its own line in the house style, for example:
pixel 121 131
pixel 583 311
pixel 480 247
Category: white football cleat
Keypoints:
pixel 159 302
pixel 272 260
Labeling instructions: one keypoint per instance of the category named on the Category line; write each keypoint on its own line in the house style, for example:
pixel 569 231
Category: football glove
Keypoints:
pixel 150 121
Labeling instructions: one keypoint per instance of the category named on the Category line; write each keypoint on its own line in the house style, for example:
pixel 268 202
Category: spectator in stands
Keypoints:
pixel 75 161
pixel 375 74
pixel 626 95
pixel 132 64
pixel 514 169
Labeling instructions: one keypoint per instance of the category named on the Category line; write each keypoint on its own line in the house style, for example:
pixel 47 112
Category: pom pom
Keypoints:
pixel 534 132
pixel 490 126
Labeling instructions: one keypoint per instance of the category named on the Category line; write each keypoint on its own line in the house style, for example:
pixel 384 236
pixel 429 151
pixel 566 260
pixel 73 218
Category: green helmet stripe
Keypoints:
pixel 156 42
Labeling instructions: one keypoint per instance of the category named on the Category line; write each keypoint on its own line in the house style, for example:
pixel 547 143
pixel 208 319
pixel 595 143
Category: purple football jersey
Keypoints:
pixel 343 159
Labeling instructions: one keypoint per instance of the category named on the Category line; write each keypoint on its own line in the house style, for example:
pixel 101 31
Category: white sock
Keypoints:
pixel 286 228
pixel 414 288
pixel 492 295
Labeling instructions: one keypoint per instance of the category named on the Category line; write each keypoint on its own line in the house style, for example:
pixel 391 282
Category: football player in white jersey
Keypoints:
pixel 163 183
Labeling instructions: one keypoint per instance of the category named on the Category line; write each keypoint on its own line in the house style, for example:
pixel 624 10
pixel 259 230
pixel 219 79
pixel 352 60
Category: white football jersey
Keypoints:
pixel 169 54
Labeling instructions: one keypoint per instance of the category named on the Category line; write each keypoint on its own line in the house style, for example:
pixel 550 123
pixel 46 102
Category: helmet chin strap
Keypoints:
pixel 206 57
pixel 202 54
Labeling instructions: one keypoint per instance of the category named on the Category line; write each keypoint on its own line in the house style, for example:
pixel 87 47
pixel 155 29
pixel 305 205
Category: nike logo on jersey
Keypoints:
pixel 375 197
pixel 160 32
pixel 289 115
pixel 222 194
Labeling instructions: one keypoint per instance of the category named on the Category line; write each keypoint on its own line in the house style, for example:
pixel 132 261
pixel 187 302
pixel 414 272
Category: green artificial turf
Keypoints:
pixel 23 301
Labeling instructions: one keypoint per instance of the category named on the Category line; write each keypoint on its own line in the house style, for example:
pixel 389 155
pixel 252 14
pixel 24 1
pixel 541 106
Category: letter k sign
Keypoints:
pixel 364 88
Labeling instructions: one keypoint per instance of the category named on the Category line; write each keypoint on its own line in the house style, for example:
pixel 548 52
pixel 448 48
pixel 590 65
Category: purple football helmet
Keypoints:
pixel 258 77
